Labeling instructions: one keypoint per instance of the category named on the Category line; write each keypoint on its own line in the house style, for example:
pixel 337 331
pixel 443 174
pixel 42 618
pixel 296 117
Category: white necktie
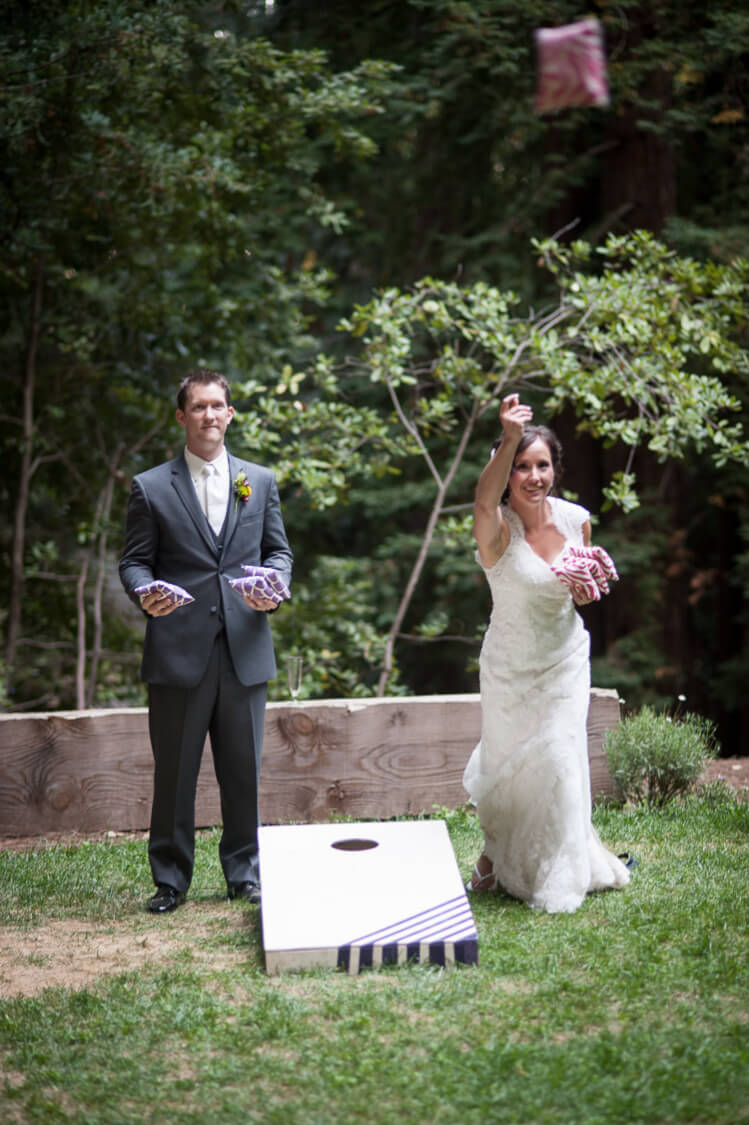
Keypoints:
pixel 214 501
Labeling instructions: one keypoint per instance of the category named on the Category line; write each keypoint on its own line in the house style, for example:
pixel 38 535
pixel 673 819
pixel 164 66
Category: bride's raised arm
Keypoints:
pixel 490 529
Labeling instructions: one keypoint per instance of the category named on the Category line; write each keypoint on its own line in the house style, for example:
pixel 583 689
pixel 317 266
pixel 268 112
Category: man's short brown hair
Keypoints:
pixel 202 376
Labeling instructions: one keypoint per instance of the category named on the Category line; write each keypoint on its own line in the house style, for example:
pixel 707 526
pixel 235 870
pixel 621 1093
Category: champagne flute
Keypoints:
pixel 294 669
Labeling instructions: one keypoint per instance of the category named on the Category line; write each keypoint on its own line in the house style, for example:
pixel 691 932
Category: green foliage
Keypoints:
pixel 636 345
pixel 656 757
pixel 655 338
pixel 467 172
pixel 331 623
pixel 638 348
pixel 139 149
pixel 185 183
pixel 161 182
pixel 316 438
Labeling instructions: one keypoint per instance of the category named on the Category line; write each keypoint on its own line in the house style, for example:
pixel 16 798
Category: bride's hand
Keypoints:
pixel 514 416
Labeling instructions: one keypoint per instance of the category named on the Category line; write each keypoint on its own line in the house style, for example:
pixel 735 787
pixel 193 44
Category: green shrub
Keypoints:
pixel 654 757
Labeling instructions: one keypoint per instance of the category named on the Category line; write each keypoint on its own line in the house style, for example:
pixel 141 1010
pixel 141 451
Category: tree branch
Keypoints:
pixel 418 566
pixel 414 432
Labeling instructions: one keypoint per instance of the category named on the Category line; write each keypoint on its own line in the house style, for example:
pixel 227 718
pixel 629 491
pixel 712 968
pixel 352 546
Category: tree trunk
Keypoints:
pixel 442 490
pixel 104 507
pixel 80 664
pixel 24 484
pixel 638 184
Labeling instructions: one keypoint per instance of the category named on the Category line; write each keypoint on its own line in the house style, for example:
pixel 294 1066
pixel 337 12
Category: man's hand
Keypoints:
pixel 264 605
pixel 262 588
pixel 159 598
pixel 157 604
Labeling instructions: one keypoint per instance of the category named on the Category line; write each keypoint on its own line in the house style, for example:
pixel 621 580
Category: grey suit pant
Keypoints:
pixel 179 720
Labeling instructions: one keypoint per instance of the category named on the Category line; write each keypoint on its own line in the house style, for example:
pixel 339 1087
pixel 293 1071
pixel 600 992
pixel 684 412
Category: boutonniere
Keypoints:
pixel 242 490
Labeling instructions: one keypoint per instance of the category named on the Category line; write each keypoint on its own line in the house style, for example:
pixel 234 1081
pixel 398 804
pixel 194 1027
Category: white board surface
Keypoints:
pixel 363 893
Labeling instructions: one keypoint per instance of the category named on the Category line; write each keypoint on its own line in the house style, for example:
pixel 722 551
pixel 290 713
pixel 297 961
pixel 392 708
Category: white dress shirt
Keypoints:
pixel 213 490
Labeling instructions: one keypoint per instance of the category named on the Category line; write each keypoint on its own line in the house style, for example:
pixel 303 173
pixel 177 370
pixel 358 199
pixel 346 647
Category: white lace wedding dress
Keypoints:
pixel 529 775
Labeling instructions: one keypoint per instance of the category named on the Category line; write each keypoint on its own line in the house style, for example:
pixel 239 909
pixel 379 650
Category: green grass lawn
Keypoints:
pixel 634 1009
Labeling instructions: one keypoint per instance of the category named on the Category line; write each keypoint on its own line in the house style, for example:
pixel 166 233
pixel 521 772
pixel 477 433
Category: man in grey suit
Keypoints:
pixel 193 522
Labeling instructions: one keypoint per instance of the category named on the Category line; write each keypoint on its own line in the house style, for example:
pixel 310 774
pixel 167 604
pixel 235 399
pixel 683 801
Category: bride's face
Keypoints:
pixel 532 474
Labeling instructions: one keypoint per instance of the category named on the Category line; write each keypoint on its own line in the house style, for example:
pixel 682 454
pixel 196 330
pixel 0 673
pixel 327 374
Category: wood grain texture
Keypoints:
pixel 88 771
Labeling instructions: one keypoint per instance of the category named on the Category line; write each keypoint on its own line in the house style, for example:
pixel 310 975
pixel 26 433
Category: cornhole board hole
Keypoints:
pixel 363 894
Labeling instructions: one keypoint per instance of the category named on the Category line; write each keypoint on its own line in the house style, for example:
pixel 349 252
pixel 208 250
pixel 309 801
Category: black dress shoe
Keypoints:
pixel 248 891
pixel 165 899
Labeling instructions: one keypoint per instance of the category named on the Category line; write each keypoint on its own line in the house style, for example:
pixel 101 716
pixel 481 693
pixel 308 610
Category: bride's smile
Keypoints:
pixel 533 473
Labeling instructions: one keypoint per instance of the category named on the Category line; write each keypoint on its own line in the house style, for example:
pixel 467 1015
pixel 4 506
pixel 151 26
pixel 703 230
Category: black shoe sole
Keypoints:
pixel 234 895
pixel 179 900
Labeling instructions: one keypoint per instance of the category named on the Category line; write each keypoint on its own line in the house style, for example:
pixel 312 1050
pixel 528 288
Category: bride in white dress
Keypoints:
pixel 529 775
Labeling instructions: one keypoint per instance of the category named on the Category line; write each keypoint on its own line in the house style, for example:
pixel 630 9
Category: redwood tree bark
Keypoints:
pixel 638 175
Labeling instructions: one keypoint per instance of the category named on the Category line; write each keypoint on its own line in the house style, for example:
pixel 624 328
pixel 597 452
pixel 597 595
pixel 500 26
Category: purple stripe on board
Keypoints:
pixel 419 933
pixel 422 914
pixel 443 914
pixel 443 928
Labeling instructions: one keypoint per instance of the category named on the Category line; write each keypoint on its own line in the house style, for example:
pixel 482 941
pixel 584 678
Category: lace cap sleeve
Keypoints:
pixel 569 518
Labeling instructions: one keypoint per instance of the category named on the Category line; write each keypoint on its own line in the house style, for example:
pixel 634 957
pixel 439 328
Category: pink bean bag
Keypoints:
pixel 571 66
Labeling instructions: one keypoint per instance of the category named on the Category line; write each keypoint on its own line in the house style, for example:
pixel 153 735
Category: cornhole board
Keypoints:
pixel 363 894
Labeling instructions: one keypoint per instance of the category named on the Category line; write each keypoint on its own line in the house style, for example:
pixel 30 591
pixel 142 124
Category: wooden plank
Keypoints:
pixel 87 771
pixel 604 714
pixel 367 758
pixel 74 770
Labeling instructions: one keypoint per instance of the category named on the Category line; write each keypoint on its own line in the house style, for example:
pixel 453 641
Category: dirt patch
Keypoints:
pixel 74 954
pixel 64 839
pixel 734 771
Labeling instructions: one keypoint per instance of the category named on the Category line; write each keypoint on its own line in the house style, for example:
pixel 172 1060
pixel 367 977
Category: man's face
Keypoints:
pixel 205 419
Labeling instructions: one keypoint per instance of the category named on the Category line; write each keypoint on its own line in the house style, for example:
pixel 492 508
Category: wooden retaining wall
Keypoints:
pixel 87 771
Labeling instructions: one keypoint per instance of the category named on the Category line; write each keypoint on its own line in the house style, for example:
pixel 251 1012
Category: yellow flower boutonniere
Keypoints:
pixel 242 490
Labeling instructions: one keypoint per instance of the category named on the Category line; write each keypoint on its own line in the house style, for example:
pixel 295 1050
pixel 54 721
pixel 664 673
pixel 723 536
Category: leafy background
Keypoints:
pixel 187 183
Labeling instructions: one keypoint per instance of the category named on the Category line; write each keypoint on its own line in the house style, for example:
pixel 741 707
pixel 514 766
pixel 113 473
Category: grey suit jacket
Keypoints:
pixel 167 536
